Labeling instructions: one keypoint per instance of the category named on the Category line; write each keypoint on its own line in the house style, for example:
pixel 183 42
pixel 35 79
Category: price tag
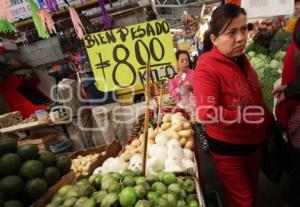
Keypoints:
pixel 118 57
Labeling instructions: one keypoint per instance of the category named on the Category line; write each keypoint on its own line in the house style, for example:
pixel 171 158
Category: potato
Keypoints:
pixel 129 147
pixel 177 127
pixel 178 120
pixel 165 125
pixel 136 143
pixel 125 156
pixel 142 136
pixel 151 136
pixel 103 153
pixel 191 138
pixel 185 133
pixel 189 145
pixel 183 141
pixel 133 151
pixel 86 168
pixel 173 134
pixel 167 118
pixel 187 125
pixel 140 149
pixel 151 141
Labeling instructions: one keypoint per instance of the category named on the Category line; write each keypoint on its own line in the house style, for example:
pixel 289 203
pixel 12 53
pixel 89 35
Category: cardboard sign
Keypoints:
pixel 268 8
pixel 118 57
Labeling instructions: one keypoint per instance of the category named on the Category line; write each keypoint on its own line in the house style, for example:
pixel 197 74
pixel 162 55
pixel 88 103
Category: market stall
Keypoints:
pixel 95 80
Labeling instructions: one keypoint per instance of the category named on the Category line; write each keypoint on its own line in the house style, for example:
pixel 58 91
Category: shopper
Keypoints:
pixel 180 87
pixel 182 82
pixel 288 110
pixel 230 104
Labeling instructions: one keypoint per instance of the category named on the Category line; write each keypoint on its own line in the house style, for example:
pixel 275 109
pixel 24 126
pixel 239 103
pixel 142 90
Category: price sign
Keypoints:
pixel 118 57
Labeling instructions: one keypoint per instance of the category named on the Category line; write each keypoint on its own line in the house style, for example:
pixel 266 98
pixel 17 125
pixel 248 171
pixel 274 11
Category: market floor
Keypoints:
pixel 269 194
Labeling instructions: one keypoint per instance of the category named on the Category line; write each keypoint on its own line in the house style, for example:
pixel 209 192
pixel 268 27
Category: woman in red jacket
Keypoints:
pixel 288 110
pixel 230 104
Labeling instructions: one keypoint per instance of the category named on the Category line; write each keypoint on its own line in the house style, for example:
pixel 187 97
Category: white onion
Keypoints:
pixel 161 138
pixel 187 153
pixel 188 164
pixel 117 165
pixel 173 143
pixel 156 164
pixel 175 153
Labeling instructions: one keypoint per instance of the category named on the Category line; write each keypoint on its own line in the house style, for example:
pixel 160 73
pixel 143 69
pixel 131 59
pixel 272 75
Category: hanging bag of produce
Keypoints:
pixel 274 155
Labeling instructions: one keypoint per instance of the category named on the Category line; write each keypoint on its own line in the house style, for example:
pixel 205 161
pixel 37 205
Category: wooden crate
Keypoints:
pixel 111 151
pixel 41 141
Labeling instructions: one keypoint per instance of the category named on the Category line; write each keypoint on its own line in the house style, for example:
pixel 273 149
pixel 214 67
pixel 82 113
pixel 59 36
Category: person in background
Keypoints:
pixel 182 82
pixel 180 87
pixel 230 105
pixel 288 109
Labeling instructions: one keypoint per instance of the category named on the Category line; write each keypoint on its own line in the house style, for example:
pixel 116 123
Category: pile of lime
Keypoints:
pixel 26 174
pixel 128 189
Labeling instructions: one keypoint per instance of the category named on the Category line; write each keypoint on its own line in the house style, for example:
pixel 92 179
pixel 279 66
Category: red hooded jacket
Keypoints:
pixel 225 96
pixel 287 107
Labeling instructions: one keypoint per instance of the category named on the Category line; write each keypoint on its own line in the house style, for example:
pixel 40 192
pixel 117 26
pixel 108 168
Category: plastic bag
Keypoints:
pixel 274 155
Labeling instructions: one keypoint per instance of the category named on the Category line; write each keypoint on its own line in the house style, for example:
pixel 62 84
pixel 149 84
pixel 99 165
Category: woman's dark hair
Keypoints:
pixel 221 18
pixel 250 26
pixel 180 52
pixel 296 34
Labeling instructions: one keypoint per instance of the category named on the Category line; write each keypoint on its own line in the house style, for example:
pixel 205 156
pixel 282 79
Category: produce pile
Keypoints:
pixel 266 55
pixel 81 164
pixel 25 175
pixel 128 189
pixel 290 25
pixel 268 71
pixel 270 42
pixel 10 119
pixel 138 126
pixel 169 149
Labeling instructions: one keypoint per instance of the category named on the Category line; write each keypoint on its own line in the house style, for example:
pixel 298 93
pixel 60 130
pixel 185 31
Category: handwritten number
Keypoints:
pixel 121 62
pixel 152 49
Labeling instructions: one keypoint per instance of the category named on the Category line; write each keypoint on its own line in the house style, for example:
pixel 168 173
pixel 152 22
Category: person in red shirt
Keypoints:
pixel 230 105
pixel 288 110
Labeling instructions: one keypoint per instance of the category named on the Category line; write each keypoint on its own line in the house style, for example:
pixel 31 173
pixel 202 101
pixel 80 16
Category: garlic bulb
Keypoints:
pixel 188 154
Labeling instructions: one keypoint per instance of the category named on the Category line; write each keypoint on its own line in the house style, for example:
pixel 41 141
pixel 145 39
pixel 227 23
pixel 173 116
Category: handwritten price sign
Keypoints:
pixel 118 57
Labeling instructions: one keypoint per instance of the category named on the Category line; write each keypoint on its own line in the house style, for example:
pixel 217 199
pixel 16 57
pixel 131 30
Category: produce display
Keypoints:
pixel 266 55
pixel 268 71
pixel 290 25
pixel 128 189
pixel 10 119
pixel 81 164
pixel 169 149
pixel 25 175
pixel 138 126
pixel 270 42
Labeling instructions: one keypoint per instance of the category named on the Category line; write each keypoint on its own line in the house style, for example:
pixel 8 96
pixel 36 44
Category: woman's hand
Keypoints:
pixel 280 98
pixel 279 90
pixel 187 86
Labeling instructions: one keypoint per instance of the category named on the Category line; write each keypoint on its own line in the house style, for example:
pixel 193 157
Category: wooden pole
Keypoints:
pixel 159 105
pixel 147 97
